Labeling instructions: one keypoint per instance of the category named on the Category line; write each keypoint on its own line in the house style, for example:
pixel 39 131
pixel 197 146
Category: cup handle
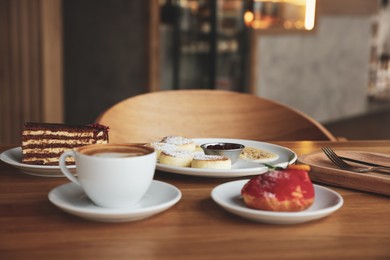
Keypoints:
pixel 63 167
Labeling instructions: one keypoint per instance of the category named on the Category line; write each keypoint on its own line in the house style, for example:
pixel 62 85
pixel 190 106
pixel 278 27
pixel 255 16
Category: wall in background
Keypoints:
pixel 323 74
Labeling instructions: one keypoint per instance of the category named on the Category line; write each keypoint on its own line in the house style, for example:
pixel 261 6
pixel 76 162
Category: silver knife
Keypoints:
pixel 363 162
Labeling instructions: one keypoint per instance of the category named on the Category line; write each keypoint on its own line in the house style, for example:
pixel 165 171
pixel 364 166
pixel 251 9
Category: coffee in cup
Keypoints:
pixel 112 175
pixel 114 150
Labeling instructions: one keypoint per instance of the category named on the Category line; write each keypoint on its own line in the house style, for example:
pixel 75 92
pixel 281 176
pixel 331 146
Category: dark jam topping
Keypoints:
pixel 225 146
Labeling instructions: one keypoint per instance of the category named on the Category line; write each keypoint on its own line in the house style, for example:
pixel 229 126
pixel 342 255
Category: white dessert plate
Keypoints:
pixel 228 196
pixel 13 157
pixel 72 199
pixel 241 167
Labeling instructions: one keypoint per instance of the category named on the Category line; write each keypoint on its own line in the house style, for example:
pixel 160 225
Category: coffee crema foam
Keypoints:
pixel 117 154
pixel 115 151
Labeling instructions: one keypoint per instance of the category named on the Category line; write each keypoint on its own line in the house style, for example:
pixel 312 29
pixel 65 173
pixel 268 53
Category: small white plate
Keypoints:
pixel 13 157
pixel 241 167
pixel 72 199
pixel 228 196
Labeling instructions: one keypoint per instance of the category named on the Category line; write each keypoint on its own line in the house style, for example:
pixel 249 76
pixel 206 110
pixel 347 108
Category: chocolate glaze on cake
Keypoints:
pixel 43 143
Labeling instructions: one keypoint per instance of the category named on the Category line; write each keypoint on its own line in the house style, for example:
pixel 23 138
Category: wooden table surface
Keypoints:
pixel 195 228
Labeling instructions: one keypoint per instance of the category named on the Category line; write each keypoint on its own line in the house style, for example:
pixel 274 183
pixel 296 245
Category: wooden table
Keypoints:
pixel 195 228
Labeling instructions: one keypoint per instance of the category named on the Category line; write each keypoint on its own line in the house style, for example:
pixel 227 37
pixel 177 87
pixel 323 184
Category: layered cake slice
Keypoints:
pixel 43 143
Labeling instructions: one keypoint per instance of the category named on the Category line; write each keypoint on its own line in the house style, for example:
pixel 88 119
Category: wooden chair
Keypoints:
pixel 207 113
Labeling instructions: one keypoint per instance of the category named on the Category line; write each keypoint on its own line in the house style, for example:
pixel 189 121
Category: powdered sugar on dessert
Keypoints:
pixel 163 146
pixel 176 140
pixel 178 153
pixel 182 151
pixel 205 157
pixel 211 162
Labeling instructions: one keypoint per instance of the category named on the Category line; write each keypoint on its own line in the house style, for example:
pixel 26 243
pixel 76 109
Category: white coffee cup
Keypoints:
pixel 112 175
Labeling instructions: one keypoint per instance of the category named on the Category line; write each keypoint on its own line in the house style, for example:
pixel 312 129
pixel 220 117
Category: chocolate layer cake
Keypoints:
pixel 43 143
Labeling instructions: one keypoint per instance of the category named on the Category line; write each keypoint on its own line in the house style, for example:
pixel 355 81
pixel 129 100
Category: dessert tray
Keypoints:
pixel 13 157
pixel 324 171
pixel 72 199
pixel 241 167
pixel 228 196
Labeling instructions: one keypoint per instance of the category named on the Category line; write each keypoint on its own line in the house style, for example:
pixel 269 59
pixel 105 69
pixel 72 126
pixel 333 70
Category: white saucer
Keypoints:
pixel 242 167
pixel 72 199
pixel 13 157
pixel 228 196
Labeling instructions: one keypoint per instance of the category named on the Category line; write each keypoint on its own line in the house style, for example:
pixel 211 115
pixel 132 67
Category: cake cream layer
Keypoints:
pixel 43 143
pixel 47 160
pixel 45 151
pixel 67 142
pixel 62 133
pixel 49 155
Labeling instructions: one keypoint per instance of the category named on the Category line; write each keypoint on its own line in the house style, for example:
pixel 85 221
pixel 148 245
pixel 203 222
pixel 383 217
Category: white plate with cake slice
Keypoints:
pixel 283 157
pixel 13 157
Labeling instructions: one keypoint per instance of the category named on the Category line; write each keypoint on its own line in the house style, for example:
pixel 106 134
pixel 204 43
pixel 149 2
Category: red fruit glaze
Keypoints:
pixel 285 190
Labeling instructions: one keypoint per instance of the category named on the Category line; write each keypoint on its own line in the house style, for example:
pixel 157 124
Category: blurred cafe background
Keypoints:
pixel 69 60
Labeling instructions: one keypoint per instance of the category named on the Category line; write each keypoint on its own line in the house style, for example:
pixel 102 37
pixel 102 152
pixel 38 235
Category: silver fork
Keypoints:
pixel 345 166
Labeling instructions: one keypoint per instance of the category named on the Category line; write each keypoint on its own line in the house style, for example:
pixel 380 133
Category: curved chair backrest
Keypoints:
pixel 208 113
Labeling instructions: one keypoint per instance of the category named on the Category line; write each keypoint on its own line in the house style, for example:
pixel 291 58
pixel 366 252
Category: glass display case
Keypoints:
pixel 204 45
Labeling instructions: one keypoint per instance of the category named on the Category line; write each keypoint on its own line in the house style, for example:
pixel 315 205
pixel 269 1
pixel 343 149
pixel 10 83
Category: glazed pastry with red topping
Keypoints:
pixel 287 190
